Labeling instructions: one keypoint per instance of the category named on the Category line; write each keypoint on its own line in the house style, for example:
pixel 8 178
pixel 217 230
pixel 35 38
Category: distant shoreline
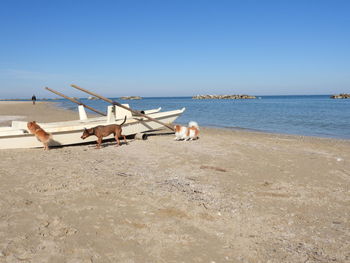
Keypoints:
pixel 160 97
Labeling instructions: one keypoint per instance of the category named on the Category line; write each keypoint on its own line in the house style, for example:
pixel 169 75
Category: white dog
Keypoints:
pixel 187 133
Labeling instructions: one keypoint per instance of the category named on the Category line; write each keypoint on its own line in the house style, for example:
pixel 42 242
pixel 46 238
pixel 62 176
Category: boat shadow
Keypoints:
pixel 111 141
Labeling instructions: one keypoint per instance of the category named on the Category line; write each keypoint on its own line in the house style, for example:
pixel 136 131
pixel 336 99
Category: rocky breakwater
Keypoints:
pixel 229 97
pixel 131 98
pixel 341 96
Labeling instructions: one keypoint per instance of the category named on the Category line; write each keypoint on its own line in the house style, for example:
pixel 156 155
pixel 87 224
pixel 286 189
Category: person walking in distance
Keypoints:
pixel 33 99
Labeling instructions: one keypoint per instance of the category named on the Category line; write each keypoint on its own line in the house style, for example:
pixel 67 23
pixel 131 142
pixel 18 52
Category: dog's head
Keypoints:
pixel 86 133
pixel 177 128
pixel 32 126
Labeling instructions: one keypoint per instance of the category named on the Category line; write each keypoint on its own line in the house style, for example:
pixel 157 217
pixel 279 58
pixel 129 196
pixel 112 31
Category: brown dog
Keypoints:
pixel 39 133
pixel 103 131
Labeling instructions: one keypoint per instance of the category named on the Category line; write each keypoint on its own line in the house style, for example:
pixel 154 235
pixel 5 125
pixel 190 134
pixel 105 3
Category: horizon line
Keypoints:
pixel 181 96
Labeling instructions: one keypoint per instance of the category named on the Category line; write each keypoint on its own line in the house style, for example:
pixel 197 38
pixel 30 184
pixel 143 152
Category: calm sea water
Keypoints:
pixel 300 115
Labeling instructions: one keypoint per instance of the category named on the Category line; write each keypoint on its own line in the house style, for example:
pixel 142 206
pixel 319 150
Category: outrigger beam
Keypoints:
pixel 122 106
pixel 75 101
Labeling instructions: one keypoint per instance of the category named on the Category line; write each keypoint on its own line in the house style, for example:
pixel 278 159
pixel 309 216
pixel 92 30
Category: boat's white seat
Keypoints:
pixel 13 132
pixel 120 113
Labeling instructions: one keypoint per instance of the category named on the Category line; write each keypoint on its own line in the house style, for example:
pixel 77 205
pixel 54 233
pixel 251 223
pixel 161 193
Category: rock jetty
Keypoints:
pixel 131 98
pixel 341 96
pixel 228 97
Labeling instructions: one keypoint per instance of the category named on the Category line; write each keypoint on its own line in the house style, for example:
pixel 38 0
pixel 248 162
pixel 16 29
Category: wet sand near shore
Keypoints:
pixel 231 196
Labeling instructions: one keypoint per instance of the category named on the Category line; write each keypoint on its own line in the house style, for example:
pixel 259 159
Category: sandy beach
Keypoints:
pixel 231 196
pixel 41 112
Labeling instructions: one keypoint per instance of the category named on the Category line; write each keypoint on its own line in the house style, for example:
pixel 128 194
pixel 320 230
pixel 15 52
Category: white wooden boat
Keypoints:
pixel 69 132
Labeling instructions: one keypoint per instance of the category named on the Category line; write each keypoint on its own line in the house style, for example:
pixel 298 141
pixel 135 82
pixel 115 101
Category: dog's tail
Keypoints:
pixel 193 124
pixel 123 121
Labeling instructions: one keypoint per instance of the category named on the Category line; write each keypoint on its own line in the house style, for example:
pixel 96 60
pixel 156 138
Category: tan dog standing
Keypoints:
pixel 39 133
pixel 105 130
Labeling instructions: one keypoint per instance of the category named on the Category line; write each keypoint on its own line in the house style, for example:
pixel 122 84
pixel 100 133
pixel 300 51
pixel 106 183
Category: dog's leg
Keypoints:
pixel 120 135
pixel 99 142
pixel 125 139
pixel 116 136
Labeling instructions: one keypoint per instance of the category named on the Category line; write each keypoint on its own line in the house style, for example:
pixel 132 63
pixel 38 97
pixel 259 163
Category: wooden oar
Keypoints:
pixel 122 106
pixel 75 101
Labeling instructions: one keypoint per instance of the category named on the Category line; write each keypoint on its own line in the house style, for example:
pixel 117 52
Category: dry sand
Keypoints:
pixel 41 112
pixel 231 196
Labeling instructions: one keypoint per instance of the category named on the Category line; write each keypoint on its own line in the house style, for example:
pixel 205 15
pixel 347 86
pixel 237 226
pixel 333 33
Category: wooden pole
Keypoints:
pixel 122 106
pixel 75 101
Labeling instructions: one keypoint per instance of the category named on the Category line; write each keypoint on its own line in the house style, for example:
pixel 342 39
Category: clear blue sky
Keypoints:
pixel 174 48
